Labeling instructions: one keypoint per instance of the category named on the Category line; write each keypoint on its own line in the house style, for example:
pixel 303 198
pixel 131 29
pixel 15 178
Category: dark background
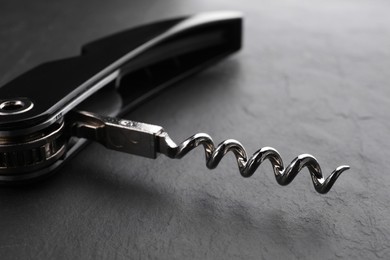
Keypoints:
pixel 313 77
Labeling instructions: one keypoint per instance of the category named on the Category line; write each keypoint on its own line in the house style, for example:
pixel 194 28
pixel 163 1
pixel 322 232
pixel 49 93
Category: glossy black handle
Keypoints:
pixel 137 63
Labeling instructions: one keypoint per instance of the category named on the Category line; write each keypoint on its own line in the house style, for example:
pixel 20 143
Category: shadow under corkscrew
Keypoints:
pixel 248 165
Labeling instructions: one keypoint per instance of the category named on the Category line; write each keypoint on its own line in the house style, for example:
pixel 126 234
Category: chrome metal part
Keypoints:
pixel 15 106
pixel 148 140
pixel 26 153
pixel 117 134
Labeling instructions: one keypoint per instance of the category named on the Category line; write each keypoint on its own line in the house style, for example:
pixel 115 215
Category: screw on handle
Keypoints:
pixel 149 140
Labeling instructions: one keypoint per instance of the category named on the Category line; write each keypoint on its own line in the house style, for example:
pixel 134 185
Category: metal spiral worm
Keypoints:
pixel 148 140
pixel 248 165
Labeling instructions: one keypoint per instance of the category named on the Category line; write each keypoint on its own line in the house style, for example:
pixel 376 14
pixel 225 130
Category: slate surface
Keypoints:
pixel 313 77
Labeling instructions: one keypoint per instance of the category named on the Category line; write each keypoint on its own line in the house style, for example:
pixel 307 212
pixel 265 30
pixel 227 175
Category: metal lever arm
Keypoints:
pixel 148 140
pixel 117 134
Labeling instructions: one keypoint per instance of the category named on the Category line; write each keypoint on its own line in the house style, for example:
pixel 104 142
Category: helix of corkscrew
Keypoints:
pixel 248 165
pixel 148 140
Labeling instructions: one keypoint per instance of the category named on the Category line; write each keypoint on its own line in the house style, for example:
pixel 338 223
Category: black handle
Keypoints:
pixel 138 63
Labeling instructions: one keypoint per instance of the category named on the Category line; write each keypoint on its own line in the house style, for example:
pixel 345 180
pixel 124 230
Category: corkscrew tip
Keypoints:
pixel 327 185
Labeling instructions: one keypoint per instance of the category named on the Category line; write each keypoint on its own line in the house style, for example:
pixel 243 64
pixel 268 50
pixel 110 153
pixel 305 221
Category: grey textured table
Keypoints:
pixel 313 77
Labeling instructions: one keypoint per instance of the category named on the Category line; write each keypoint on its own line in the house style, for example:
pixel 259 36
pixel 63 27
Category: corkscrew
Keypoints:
pixel 43 113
